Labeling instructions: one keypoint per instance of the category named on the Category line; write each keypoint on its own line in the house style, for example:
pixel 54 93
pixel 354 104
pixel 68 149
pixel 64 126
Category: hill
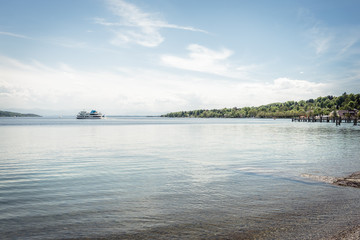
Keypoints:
pixel 289 109
pixel 15 114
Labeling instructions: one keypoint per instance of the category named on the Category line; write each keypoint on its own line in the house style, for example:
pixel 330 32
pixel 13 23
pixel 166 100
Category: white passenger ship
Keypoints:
pixel 90 115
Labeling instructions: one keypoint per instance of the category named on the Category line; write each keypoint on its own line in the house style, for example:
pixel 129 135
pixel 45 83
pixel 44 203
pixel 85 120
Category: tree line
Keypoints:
pixel 289 109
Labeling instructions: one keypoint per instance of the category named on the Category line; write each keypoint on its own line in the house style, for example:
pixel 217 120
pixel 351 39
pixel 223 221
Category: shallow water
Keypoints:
pixel 160 178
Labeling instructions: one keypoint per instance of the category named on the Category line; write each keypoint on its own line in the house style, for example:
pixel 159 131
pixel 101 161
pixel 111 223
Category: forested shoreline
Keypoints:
pixel 311 107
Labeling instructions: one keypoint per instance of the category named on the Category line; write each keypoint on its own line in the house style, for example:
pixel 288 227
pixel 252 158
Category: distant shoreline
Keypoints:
pixel 16 114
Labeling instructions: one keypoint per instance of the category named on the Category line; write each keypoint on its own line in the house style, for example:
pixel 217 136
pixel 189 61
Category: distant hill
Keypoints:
pixel 289 109
pixel 15 114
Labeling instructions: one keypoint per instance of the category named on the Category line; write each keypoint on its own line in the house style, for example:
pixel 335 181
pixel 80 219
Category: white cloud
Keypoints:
pixel 202 59
pixel 127 91
pixel 284 84
pixel 255 94
pixel 136 91
pixel 136 26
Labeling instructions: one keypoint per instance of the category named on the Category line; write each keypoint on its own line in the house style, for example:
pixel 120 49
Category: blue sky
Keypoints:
pixel 156 56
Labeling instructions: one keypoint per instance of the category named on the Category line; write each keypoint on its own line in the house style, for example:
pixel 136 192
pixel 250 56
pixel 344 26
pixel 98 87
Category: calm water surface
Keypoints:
pixel 158 178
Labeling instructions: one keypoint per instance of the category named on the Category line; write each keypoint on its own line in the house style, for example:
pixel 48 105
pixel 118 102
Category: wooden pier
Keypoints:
pixel 337 120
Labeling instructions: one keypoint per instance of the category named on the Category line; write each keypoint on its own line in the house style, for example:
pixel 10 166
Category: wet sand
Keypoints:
pixel 351 233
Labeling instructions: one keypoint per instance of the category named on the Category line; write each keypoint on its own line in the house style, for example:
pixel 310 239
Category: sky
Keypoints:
pixel 150 57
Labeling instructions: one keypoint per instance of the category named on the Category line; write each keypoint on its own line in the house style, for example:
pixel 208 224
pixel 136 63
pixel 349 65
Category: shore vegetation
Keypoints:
pixel 311 107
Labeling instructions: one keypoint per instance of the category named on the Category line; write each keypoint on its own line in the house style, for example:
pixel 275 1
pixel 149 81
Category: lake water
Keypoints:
pixel 159 178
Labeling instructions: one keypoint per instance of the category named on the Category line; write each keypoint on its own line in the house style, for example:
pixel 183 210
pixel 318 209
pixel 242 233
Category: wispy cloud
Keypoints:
pixel 69 43
pixel 348 41
pixel 136 26
pixel 15 35
pixel 60 41
pixel 321 39
pixel 348 44
pixel 326 39
pixel 336 44
pixel 316 31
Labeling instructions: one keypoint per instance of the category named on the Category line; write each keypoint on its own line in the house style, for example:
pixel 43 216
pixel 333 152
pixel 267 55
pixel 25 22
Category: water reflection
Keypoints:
pixel 164 178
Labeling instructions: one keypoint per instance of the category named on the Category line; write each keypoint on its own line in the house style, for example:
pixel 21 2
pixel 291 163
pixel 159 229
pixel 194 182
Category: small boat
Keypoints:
pixel 90 115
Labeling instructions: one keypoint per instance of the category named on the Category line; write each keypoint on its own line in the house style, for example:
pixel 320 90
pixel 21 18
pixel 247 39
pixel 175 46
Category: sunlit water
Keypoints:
pixel 158 178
